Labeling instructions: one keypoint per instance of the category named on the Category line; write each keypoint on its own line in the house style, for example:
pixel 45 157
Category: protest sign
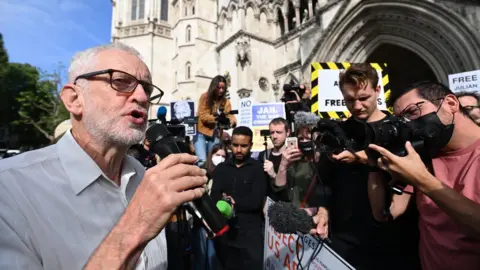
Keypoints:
pixel 181 109
pixel 465 81
pixel 286 251
pixel 261 115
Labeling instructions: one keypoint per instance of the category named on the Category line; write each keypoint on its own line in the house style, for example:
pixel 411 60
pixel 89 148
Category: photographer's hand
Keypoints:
pixel 410 168
pixel 349 157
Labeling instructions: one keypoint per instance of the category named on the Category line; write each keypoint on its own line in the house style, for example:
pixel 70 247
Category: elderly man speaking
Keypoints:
pixel 83 202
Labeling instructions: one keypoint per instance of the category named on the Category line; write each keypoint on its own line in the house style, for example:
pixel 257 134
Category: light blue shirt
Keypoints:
pixel 56 207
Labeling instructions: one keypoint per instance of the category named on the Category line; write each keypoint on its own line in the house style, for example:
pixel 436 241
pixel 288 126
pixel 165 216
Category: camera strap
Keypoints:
pixel 312 185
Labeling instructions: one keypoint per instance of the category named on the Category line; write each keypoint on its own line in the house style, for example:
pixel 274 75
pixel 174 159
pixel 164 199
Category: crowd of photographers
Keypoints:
pixel 361 193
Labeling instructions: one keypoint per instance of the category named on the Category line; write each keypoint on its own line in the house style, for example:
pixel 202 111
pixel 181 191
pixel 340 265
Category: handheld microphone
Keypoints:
pixel 163 144
pixel 162 114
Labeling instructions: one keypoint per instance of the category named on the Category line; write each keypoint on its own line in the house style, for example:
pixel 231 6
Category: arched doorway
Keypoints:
pixel 437 35
pixel 404 66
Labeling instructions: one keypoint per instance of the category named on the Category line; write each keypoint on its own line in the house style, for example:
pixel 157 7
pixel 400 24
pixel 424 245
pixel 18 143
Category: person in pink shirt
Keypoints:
pixel 447 189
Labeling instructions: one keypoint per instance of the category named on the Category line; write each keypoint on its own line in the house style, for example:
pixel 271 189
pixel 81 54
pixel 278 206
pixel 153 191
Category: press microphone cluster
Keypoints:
pixel 163 143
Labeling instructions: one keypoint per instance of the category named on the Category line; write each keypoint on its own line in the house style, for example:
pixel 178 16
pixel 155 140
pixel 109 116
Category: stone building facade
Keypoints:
pixel 265 44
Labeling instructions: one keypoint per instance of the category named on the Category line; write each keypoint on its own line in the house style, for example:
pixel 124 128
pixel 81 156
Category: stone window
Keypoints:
pixel 188 68
pixel 138 10
pixel 164 11
pixel 188 34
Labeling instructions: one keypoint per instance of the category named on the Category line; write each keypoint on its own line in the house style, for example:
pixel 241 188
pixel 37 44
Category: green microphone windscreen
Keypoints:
pixel 225 208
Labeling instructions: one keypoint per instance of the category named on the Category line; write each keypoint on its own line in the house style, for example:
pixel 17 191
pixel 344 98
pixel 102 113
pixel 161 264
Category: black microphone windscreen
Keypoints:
pixel 286 218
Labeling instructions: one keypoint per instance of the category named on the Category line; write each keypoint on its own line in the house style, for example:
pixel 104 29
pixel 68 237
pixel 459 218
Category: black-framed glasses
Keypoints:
pixel 124 82
pixel 471 108
pixel 414 111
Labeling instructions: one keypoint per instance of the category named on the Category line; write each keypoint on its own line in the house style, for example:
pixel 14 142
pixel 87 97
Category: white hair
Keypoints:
pixel 82 62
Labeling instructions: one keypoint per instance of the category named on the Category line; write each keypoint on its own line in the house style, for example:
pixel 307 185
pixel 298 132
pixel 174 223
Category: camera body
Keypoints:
pixel 289 90
pixel 354 135
pixel 223 122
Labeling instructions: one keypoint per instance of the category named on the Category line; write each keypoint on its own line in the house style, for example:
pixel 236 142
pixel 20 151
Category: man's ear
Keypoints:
pixel 378 90
pixel 71 99
pixel 452 102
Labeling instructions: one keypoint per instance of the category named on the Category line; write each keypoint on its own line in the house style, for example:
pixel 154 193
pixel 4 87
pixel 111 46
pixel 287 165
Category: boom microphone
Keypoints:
pixel 286 218
pixel 163 144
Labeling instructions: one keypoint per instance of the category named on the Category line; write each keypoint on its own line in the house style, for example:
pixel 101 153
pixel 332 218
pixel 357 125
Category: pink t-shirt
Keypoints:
pixel 443 241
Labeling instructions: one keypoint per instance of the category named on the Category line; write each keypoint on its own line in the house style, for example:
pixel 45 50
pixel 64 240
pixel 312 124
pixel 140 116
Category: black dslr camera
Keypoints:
pixel 392 133
pixel 222 120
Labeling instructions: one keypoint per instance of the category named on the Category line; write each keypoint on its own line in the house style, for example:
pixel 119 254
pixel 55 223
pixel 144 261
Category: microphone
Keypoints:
pixel 286 218
pixel 162 114
pixel 163 144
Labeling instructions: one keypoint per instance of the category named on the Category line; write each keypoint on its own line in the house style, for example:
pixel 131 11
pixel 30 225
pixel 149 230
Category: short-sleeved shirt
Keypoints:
pixel 444 243
pixel 56 207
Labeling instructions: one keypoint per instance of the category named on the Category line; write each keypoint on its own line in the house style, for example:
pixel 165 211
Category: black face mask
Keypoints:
pixel 435 134
pixel 306 148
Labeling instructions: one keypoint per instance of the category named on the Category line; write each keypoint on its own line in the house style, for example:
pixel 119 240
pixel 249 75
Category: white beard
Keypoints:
pixel 107 126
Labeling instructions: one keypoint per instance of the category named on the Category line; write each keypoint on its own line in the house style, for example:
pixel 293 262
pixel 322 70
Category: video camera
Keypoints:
pixel 222 120
pixel 289 90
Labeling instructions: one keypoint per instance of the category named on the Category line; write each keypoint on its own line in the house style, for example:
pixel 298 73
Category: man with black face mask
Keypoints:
pixel 242 181
pixel 447 189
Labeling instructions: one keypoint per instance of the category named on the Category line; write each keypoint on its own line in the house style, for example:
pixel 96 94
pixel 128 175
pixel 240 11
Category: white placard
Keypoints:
pixel 280 251
pixel 465 81
pixel 245 112
pixel 330 98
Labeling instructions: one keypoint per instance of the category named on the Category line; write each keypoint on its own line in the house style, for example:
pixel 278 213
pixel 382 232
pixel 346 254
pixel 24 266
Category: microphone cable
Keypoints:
pixel 315 253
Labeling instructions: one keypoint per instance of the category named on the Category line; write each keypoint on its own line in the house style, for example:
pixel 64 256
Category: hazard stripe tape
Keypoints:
pixel 316 67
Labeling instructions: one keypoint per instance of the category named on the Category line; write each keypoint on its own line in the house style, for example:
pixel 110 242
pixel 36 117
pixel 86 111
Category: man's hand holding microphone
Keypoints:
pixel 169 184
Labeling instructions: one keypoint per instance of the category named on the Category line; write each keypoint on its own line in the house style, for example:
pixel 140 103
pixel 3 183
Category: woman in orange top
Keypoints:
pixel 210 106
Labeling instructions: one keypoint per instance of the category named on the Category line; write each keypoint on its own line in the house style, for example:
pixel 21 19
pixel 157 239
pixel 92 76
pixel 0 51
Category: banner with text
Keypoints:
pixel 465 81
pixel 280 251
pixel 261 115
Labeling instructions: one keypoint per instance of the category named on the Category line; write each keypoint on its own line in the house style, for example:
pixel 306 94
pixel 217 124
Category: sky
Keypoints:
pixel 45 33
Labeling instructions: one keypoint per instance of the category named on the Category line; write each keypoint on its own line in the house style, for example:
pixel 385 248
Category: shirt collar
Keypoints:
pixel 231 161
pixel 80 168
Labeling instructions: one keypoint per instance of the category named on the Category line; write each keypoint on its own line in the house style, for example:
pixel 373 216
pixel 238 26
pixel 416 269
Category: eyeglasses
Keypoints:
pixel 414 111
pixel 126 83
pixel 471 108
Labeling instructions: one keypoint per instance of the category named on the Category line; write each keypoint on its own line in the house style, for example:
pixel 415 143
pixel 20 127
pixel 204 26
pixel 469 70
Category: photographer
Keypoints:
pixel 447 189
pixel 356 236
pixel 296 99
pixel 212 105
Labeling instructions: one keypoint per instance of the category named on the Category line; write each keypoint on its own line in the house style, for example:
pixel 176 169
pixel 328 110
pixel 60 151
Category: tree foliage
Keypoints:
pixel 42 107
pixel 30 107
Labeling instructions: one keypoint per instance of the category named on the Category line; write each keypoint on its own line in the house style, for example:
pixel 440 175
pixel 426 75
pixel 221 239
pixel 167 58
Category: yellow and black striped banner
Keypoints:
pixel 317 67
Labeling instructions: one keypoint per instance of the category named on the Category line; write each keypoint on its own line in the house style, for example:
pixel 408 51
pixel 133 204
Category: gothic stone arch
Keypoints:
pixel 438 36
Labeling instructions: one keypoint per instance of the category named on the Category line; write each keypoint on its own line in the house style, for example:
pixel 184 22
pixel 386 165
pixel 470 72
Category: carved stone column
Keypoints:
pixel 276 87
pixel 297 16
pixel 310 9
pixel 243 61
pixel 285 22
pixel 243 14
